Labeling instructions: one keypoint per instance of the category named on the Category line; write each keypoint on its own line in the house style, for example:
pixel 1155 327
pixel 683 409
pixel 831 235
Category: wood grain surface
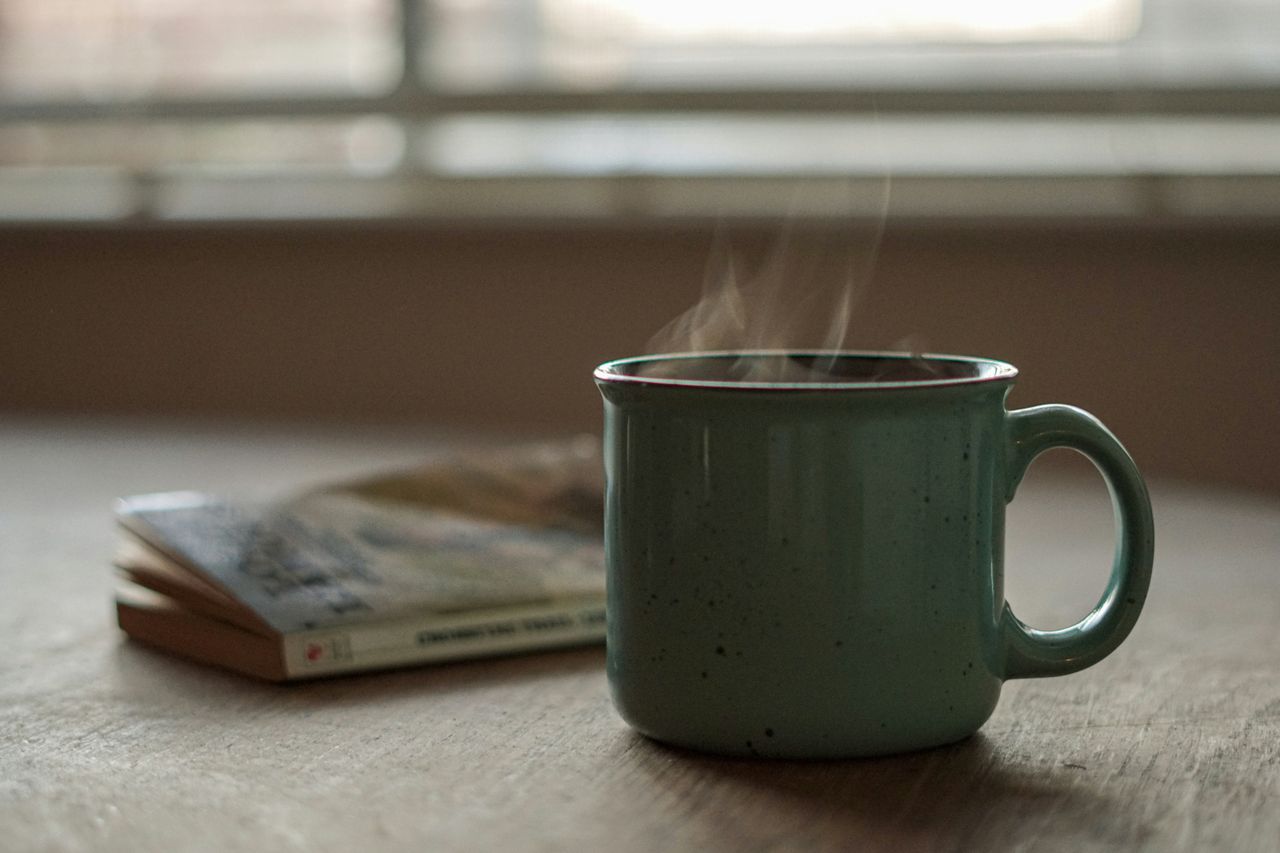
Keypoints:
pixel 1173 743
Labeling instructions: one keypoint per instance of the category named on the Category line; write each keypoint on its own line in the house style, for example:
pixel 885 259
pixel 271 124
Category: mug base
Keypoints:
pixel 774 749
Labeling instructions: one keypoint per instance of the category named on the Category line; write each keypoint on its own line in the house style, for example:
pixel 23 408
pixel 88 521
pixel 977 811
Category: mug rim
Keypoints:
pixel 615 371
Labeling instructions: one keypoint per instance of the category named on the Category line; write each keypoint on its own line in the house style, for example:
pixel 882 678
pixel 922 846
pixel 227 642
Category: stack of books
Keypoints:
pixel 473 554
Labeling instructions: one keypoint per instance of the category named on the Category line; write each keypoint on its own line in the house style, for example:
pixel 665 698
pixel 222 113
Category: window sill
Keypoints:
pixel 107 196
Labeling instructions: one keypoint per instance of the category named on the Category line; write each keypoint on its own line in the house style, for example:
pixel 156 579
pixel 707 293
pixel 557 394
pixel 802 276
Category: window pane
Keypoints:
pixel 745 145
pixel 839 21
pixel 121 49
pixel 368 145
pixel 604 44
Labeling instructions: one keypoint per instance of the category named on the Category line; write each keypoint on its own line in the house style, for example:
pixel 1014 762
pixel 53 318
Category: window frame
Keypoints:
pixel 414 190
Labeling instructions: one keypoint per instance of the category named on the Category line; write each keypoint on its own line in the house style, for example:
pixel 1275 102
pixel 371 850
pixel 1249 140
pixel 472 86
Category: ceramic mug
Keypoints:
pixel 805 550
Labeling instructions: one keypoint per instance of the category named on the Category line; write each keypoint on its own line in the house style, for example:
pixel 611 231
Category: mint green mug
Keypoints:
pixel 805 549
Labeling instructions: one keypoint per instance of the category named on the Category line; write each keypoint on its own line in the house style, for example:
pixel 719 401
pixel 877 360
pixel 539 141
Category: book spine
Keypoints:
pixel 438 638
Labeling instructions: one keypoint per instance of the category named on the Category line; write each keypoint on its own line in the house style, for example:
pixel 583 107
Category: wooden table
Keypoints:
pixel 1173 743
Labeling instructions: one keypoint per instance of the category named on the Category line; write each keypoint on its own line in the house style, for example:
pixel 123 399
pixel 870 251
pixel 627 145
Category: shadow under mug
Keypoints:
pixel 805 549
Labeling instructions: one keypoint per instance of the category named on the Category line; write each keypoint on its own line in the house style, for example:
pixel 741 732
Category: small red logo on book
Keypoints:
pixel 315 651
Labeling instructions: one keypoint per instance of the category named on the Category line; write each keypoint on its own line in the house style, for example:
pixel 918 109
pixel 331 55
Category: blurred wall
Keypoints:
pixel 1171 336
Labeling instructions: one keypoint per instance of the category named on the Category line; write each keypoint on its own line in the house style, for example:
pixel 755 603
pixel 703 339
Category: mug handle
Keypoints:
pixel 1028 652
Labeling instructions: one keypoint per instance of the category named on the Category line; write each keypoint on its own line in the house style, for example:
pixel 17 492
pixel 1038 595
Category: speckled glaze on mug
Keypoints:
pixel 814 569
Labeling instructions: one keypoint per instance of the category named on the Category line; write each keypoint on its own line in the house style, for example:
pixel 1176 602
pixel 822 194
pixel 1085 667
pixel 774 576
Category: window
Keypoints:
pixel 177 109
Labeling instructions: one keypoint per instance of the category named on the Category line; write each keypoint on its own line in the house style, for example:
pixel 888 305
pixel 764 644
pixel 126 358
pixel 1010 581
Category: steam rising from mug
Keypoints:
pixel 802 296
